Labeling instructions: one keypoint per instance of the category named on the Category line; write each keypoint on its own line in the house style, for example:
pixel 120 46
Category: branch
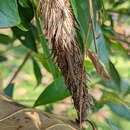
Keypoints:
pixel 20 67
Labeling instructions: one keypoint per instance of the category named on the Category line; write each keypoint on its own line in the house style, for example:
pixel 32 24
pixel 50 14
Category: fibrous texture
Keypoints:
pixel 59 27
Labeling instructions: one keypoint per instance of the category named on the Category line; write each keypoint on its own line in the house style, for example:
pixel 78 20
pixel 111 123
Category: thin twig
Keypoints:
pixel 81 88
pixel 92 22
pixel 20 67
pixel 87 37
pixel 85 51
pixel 8 49
pixel 92 124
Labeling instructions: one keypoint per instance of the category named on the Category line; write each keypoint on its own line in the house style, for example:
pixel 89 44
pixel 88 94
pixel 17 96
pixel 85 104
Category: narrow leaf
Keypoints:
pixel 111 97
pixel 114 74
pixel 81 12
pixel 5 39
pixel 48 63
pixel 24 3
pixel 37 71
pixel 45 58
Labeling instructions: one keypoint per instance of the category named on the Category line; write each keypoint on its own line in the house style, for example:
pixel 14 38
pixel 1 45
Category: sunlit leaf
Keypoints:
pixel 9 15
pixel 111 97
pixel 24 3
pixel 54 92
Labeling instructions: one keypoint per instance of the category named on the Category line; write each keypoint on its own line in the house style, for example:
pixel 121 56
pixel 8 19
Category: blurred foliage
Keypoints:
pixel 112 23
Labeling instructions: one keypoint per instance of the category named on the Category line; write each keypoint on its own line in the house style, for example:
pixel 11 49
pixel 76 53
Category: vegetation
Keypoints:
pixel 26 63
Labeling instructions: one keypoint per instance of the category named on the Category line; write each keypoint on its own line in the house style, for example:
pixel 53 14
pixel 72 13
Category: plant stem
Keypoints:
pixel 20 67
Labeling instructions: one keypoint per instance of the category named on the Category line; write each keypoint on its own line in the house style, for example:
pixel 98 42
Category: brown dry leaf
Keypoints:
pixel 14 116
pixel 99 67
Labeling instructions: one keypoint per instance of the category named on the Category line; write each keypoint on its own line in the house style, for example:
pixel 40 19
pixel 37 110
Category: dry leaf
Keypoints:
pixel 14 116
pixel 59 27
pixel 99 67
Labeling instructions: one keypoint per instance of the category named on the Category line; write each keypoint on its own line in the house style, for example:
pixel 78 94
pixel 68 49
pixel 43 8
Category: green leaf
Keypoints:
pixel 9 90
pixel 111 97
pixel 45 58
pixel 3 58
pixel 122 111
pixel 24 3
pixel 104 57
pixel 114 75
pixel 35 3
pixel 54 92
pixel 128 90
pixel 125 87
pixel 115 79
pixel 100 4
pixel 101 46
pixel 89 66
pixel 26 38
pixel 95 79
pixel 48 64
pixel 101 10
pixel 9 15
pixel 97 106
pixel 25 17
pixel 119 49
pixel 81 12
pixel 37 71
pixel 5 39
pixel 49 108
pixel 112 125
